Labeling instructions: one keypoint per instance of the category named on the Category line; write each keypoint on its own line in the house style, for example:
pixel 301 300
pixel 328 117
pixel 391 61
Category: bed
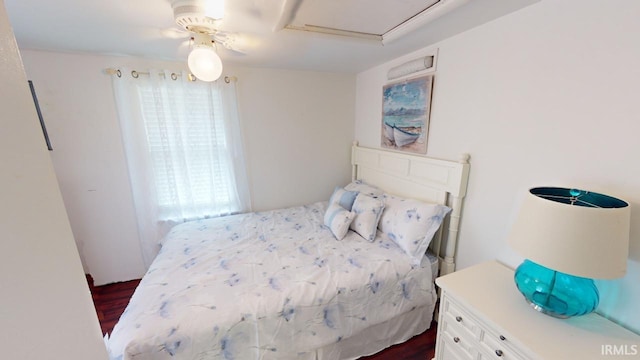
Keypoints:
pixel 295 283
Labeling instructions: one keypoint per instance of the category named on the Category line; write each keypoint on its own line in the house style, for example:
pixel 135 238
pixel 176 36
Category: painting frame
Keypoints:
pixel 406 109
pixel 42 124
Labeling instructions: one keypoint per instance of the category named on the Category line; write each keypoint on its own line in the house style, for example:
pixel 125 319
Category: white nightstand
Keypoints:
pixel 484 316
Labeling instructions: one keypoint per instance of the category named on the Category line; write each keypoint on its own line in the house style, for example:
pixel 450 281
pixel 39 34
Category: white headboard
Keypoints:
pixel 423 178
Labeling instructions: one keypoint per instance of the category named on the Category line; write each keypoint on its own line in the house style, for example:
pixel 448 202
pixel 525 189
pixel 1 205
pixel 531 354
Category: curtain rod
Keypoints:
pixel 174 76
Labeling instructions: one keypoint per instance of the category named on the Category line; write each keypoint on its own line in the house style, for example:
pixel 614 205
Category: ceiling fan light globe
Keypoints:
pixel 205 64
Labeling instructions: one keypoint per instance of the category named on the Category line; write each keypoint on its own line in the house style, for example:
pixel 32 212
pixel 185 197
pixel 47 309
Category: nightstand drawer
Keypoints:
pixel 499 354
pixel 454 313
pixel 499 347
pixel 452 346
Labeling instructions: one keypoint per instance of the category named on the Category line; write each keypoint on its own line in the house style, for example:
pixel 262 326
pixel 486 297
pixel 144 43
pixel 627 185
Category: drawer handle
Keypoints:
pixel 499 352
pixel 502 338
pixel 456 339
pixel 459 318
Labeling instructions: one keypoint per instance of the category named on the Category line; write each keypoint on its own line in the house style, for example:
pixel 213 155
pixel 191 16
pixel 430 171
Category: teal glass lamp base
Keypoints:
pixel 554 293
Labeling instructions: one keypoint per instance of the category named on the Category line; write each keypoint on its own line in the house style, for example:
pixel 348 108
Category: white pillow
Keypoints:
pixel 362 187
pixel 343 197
pixel 337 219
pixel 368 211
pixel 411 223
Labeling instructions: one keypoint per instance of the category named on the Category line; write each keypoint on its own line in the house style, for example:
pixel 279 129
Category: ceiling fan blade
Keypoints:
pixel 234 42
pixel 175 33
pixel 235 52
pixel 184 48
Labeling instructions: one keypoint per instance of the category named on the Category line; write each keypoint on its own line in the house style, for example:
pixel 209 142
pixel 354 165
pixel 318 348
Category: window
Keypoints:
pixel 188 150
pixel 184 151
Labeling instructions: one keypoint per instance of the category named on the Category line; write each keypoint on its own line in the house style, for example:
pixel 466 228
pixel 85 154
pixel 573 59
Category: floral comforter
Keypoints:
pixel 265 285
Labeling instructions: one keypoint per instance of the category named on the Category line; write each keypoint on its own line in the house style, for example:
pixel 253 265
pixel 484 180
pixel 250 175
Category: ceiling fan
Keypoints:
pixel 198 20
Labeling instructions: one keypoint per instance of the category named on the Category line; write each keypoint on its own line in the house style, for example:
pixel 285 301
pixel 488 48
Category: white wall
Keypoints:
pixel 544 96
pixel 297 128
pixel 47 311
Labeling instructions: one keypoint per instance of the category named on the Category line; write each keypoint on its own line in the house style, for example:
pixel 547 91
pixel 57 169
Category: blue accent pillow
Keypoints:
pixel 343 197
pixel 337 219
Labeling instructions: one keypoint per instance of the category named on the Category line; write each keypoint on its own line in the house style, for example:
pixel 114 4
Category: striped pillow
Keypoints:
pixel 343 197
pixel 337 219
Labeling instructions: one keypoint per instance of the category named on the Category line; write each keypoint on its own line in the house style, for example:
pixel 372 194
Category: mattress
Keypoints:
pixel 432 259
pixel 267 285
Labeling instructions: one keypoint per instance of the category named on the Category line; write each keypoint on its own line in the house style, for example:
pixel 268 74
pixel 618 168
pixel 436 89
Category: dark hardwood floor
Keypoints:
pixel 111 300
pixel 419 347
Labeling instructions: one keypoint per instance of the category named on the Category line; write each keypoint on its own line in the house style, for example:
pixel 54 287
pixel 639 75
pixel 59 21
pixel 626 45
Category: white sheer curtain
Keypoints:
pixel 183 146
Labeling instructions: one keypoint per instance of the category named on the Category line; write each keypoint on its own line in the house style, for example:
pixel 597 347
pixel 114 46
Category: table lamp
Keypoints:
pixel 569 237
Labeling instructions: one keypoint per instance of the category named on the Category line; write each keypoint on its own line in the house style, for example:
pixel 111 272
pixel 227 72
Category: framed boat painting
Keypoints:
pixel 405 114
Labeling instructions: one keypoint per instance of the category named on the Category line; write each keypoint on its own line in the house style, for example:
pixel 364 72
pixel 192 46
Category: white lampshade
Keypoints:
pixel 573 238
pixel 204 63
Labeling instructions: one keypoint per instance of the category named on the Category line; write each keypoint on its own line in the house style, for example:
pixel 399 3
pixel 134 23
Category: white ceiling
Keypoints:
pixel 366 16
pixel 146 28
